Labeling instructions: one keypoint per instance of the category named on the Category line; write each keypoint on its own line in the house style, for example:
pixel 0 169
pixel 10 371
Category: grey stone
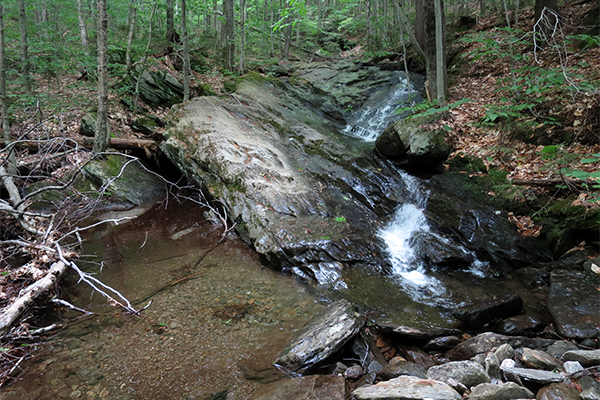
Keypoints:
pixel 321 337
pixel 312 387
pixel 519 325
pixel 407 387
pixel 534 375
pixel 573 287
pixel 468 373
pixel 539 359
pixel 590 388
pixel 366 380
pixel 353 372
pixel 479 314
pixel 411 332
pixel 340 368
pixel 402 368
pixel 413 146
pixel 124 180
pixel 503 391
pixel 374 367
pixel 572 367
pixel 88 124
pixel 505 351
pixel 489 341
pixel 587 358
pixel 442 343
pixel 492 367
pixel 561 347
pixel 557 391
pixel 592 266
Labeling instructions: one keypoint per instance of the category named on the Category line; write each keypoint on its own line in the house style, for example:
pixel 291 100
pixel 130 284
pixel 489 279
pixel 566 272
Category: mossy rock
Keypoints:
pixel 88 123
pixel 123 180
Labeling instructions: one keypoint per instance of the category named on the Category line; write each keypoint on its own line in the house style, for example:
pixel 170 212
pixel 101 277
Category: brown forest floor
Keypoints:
pixel 508 145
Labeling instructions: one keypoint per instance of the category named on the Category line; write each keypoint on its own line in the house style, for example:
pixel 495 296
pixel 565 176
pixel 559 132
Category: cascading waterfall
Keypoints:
pixel 373 118
pixel 409 218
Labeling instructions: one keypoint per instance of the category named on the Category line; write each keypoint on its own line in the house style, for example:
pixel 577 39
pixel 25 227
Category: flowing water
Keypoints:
pixel 217 322
pixel 409 219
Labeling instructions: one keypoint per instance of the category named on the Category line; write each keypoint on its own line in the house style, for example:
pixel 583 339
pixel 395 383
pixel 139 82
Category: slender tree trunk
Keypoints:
pixel 170 22
pixel 82 28
pixel 132 20
pixel 242 34
pixel 265 24
pixel 186 53
pixel 24 47
pixel 440 55
pixel 11 167
pixel 102 137
pixel 288 32
pixel 426 28
pixel 229 34
pixel 145 59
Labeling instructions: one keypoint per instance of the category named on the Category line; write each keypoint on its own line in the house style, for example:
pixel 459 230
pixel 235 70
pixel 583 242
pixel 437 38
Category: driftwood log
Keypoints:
pixel 30 294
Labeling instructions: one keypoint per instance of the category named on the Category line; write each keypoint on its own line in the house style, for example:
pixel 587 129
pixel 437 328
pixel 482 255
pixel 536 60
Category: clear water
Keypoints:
pixel 217 322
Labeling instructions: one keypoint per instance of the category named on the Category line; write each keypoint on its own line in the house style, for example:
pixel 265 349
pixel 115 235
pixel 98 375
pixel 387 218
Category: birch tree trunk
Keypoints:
pixel 82 28
pixel 24 47
pixel 102 137
pixel 186 53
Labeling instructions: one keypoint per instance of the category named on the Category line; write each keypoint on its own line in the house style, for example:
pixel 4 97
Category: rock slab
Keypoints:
pixel 321 337
pixel 407 388
pixel 574 304
pixel 312 387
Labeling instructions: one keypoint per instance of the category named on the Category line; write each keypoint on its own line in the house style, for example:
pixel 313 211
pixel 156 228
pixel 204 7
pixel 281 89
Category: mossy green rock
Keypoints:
pixel 124 180
pixel 415 147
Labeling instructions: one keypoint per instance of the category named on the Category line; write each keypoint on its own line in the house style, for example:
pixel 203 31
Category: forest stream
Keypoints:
pixel 338 223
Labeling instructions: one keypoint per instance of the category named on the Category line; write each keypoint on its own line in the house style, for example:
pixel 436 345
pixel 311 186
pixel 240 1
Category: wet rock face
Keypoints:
pixel 310 199
pixel 570 288
pixel 477 315
pixel 321 337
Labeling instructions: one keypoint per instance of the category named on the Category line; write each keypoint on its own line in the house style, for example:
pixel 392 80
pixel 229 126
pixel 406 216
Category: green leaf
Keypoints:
pixel 549 149
pixel 590 160
pixel 340 219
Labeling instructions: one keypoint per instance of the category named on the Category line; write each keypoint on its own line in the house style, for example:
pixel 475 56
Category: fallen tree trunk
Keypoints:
pixel 29 295
pixel 549 183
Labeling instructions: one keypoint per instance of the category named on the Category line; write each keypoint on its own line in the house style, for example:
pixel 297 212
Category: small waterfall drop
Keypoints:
pixel 380 110
pixel 409 219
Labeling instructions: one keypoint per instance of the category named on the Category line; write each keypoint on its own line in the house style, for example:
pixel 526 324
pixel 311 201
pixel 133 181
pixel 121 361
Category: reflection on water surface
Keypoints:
pixel 217 322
